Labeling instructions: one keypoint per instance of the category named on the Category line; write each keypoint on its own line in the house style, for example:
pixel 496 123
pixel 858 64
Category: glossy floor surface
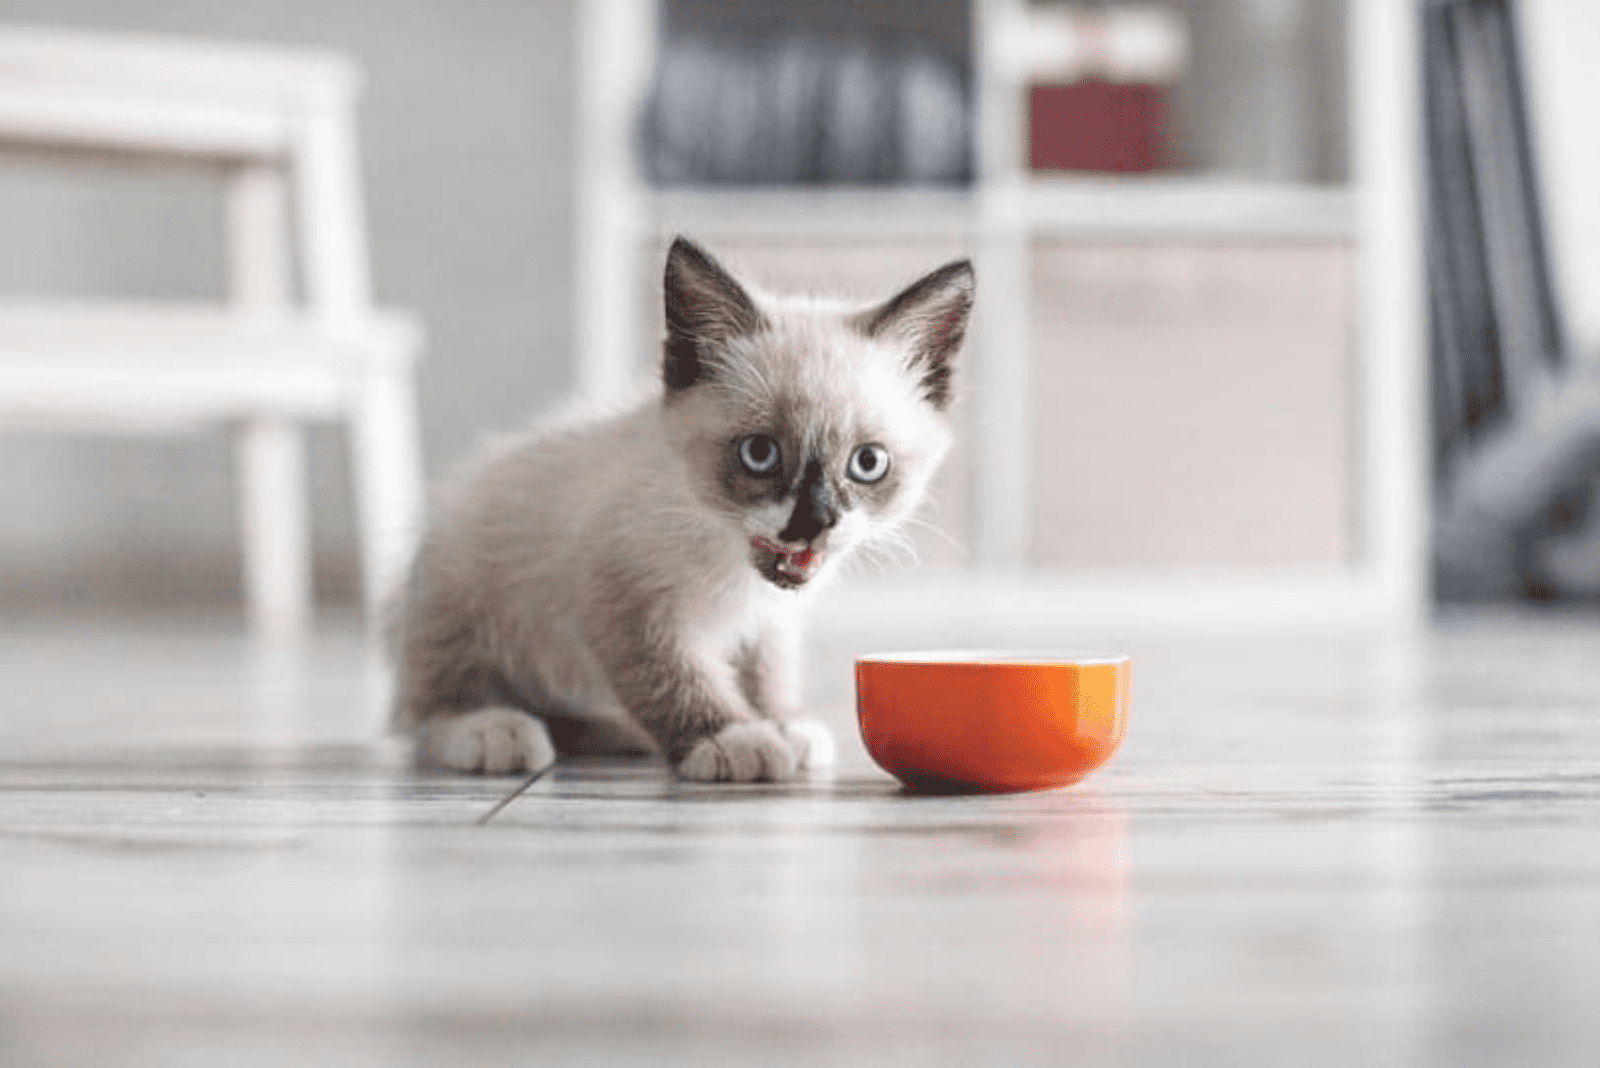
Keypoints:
pixel 1314 850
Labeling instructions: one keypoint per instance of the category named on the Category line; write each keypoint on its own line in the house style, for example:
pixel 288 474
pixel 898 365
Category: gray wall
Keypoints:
pixel 466 141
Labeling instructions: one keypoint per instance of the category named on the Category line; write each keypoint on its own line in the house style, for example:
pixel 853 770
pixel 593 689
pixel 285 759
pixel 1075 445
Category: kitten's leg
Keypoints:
pixel 769 675
pixel 455 704
pixel 691 704
pixel 748 751
pixel 497 741
pixel 812 740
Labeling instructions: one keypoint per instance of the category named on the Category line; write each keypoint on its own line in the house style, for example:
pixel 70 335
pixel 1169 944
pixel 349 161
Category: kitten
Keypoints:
pixel 634 582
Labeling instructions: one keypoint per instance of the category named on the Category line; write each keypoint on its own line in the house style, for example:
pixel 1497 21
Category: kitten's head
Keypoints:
pixel 810 426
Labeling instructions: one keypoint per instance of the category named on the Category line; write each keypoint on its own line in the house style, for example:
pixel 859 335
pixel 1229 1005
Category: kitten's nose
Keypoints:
pixel 816 508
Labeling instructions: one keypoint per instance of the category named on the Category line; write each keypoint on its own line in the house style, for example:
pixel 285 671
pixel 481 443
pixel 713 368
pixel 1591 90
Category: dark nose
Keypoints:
pixel 816 508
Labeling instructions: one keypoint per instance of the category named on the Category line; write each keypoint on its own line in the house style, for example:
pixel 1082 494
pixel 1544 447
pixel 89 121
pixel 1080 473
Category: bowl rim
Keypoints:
pixel 994 658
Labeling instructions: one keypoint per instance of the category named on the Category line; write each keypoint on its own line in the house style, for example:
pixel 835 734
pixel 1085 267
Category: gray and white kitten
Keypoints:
pixel 634 581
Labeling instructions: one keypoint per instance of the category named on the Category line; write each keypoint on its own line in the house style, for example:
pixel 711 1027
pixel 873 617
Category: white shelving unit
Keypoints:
pixel 620 220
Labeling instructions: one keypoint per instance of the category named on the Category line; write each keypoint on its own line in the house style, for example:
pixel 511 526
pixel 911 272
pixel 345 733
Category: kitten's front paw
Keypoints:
pixel 496 741
pixel 745 752
pixel 811 741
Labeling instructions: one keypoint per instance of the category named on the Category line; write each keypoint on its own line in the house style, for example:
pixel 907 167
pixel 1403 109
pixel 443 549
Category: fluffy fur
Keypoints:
pixel 633 581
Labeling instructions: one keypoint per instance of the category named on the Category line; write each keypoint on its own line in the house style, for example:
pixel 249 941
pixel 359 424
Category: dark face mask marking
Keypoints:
pixel 816 508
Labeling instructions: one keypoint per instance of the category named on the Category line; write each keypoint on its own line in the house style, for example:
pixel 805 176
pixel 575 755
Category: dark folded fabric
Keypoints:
pixel 1516 425
pixel 1497 328
pixel 803 107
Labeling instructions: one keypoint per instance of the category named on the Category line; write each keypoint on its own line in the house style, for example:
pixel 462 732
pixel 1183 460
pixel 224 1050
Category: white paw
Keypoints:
pixel 745 752
pixel 812 741
pixel 497 741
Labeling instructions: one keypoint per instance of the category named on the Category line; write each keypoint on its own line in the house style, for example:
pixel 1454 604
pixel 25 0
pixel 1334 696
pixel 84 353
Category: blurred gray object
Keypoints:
pixel 1516 420
pixel 803 106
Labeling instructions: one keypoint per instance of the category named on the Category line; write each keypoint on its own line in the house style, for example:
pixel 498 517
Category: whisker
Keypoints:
pixel 886 548
pixel 871 556
pixel 894 538
pixel 694 516
pixel 936 530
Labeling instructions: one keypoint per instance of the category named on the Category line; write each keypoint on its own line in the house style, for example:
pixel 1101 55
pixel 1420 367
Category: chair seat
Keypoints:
pixel 121 366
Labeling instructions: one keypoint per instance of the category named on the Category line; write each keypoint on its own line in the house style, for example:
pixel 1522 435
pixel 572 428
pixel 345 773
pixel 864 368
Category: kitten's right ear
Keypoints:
pixel 930 318
pixel 705 307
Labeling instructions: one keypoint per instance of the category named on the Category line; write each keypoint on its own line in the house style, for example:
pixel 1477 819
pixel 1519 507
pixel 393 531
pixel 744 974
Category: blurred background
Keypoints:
pixel 1169 382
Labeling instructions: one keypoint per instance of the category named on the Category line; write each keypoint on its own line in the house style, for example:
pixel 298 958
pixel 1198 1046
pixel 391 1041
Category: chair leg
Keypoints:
pixel 272 469
pixel 387 457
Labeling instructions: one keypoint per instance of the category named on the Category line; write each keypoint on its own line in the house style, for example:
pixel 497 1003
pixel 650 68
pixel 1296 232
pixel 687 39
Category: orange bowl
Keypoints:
pixel 950 722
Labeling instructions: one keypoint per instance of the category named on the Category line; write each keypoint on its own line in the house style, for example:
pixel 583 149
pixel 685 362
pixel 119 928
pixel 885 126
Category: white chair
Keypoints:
pixel 277 127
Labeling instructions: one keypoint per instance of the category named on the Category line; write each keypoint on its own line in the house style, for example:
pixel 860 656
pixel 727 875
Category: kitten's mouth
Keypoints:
pixel 789 568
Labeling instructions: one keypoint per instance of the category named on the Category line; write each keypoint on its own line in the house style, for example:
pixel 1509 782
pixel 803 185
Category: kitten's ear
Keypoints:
pixel 705 307
pixel 930 317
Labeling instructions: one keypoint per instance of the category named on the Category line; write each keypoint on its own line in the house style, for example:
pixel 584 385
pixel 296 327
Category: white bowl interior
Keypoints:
pixel 988 656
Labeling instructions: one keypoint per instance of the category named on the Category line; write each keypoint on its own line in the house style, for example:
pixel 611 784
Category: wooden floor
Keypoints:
pixel 1343 851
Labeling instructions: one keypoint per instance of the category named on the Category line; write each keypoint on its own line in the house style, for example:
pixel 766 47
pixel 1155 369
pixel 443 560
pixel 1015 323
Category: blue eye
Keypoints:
pixel 869 463
pixel 759 454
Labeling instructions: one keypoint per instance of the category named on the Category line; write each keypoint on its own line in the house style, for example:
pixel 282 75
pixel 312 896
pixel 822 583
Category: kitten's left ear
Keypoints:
pixel 930 316
pixel 705 307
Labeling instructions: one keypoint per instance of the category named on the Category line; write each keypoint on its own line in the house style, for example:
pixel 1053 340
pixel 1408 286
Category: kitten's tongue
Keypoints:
pixel 794 561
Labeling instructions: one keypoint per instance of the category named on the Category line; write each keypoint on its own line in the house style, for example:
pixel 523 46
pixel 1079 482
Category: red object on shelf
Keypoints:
pixel 1097 125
